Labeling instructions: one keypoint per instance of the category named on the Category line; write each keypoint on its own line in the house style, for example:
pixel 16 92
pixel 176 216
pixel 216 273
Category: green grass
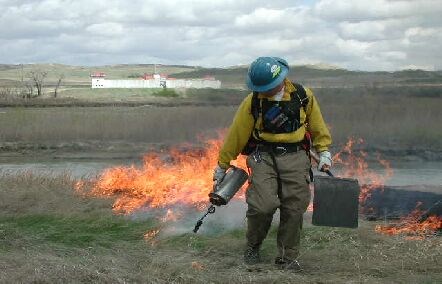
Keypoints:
pixel 167 93
pixel 73 231
pixel 232 96
pixel 89 94
pixel 86 96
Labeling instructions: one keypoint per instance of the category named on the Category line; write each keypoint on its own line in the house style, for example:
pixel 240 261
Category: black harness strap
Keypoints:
pixel 256 108
pixel 301 94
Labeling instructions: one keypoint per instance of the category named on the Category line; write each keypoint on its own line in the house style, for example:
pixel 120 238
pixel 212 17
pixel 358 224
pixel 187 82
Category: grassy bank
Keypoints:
pixel 49 234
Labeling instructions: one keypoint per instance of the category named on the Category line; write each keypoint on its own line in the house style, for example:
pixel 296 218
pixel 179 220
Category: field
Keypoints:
pixel 50 234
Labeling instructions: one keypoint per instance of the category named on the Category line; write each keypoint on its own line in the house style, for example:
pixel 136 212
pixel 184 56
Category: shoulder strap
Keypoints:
pixel 301 94
pixel 255 108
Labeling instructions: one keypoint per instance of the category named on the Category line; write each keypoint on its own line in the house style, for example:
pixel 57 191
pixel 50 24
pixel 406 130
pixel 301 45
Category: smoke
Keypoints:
pixel 225 218
pixel 181 219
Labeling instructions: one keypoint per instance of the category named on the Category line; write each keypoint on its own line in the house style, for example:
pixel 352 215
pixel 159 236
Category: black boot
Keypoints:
pixel 288 264
pixel 251 255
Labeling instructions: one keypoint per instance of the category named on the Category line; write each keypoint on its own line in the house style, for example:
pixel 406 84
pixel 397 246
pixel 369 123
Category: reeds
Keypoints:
pixel 381 121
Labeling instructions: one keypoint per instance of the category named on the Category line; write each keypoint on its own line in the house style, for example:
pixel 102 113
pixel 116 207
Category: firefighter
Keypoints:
pixel 270 127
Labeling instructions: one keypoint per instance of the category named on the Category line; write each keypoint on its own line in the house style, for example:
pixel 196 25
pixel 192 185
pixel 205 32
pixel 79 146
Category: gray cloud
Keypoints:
pixel 359 34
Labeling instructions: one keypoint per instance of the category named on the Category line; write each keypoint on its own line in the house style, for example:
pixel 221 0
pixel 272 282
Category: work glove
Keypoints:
pixel 325 161
pixel 218 175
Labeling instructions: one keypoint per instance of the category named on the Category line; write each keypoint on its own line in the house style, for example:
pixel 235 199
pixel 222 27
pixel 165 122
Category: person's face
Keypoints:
pixel 274 91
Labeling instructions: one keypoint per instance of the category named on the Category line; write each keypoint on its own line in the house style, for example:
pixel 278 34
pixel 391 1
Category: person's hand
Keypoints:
pixel 325 161
pixel 218 175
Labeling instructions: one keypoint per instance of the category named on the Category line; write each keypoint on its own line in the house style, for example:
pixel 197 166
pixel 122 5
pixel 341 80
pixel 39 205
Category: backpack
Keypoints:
pixel 256 108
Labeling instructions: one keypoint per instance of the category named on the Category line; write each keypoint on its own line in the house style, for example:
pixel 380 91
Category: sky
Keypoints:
pixel 383 35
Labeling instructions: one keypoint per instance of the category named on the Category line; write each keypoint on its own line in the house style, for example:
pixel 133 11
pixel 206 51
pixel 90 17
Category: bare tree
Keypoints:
pixel 29 90
pixel 60 78
pixel 5 93
pixel 37 77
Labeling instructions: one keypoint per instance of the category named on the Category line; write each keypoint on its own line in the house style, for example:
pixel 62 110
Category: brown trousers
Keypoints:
pixel 292 199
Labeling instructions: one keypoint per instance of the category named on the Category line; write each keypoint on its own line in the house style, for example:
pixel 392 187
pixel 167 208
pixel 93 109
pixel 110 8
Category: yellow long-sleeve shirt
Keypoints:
pixel 243 124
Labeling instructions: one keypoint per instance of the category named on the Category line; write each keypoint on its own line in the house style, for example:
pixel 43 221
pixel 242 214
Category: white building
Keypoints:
pixel 153 81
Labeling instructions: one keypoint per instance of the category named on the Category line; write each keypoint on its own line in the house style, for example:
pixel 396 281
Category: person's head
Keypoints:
pixel 266 75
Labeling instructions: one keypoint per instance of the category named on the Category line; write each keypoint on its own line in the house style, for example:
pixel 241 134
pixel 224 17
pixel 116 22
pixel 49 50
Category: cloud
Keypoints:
pixel 359 34
pixel 359 10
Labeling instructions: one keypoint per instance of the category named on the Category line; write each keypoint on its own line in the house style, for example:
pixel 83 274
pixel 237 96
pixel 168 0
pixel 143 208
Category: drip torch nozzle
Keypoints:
pixel 210 210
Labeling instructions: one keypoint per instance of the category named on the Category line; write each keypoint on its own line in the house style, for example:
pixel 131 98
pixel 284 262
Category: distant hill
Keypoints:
pixel 316 76
pixel 321 77
pixel 79 75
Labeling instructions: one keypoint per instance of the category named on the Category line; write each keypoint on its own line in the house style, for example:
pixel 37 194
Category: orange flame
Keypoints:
pixel 185 177
pixel 355 165
pixel 412 226
pixel 150 236
pixel 197 265
pixel 165 179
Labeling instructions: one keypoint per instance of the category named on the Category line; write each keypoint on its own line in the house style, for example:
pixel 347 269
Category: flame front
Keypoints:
pixel 412 226
pixel 184 177
pixel 355 165
pixel 165 179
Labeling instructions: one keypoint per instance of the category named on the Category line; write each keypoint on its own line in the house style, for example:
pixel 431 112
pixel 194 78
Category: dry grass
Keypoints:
pixel 384 122
pixel 142 124
pixel 26 194
pixel 48 234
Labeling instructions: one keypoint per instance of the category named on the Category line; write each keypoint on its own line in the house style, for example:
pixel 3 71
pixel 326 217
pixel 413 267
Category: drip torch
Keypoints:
pixel 222 193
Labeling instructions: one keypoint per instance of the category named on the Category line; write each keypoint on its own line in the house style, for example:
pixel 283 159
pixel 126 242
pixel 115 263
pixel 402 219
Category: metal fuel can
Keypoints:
pixel 230 185
pixel 335 202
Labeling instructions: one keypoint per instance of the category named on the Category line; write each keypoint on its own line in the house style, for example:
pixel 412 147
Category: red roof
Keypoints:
pixel 147 76
pixel 98 74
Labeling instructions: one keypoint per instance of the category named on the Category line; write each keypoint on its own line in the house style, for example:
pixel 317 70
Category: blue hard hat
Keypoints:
pixel 265 73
